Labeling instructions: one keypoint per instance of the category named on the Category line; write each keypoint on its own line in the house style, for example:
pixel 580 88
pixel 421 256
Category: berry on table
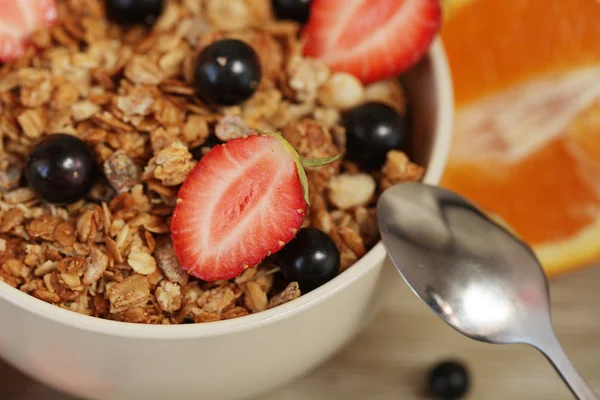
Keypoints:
pixel 448 380
pixel 61 169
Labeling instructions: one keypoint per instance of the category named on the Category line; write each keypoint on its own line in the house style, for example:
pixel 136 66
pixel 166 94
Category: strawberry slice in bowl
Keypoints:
pixel 242 202
pixel 371 39
pixel 18 19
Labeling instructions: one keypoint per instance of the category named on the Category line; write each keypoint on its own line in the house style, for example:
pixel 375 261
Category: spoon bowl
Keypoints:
pixel 471 271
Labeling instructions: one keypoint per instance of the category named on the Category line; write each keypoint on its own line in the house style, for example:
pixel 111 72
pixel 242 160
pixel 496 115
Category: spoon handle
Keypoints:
pixel 554 352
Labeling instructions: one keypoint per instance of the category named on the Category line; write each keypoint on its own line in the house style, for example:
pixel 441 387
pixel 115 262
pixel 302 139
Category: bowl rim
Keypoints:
pixel 437 162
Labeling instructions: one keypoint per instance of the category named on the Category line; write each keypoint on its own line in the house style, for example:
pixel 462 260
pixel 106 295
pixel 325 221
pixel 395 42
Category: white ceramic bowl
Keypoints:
pixel 240 358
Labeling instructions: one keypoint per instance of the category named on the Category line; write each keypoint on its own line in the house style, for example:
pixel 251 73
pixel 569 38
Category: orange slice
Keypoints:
pixel 527 129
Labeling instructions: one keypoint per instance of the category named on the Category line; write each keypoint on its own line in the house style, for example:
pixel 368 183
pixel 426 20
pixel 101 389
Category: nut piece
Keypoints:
pixel 347 191
pixel 168 296
pixel 134 291
pixel 141 262
pixel 398 168
pixel 120 170
pixel 329 117
pixel 306 77
pixel 166 260
pixel 231 127
pixel 341 91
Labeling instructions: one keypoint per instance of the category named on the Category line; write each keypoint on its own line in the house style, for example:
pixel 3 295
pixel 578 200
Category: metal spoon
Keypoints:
pixel 473 273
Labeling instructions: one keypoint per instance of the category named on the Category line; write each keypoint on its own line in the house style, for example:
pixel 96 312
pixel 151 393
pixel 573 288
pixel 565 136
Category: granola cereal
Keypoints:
pixel 129 94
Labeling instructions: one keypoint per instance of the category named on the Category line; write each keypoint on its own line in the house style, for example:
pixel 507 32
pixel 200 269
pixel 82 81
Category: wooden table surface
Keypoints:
pixel 389 359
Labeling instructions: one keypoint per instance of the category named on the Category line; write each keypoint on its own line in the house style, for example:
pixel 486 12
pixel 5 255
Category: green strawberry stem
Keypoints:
pixel 318 162
pixel 302 163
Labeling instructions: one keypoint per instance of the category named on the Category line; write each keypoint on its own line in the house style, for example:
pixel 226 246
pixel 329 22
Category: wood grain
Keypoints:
pixel 390 358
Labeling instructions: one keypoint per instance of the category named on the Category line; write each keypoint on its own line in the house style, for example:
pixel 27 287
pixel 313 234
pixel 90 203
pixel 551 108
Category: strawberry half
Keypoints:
pixel 18 19
pixel 371 39
pixel 243 201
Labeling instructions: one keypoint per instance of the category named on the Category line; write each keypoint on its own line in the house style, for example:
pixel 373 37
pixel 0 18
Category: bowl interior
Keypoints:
pixel 431 107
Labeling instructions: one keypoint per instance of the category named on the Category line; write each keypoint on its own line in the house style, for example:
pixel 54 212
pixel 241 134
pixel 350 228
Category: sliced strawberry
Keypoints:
pixel 18 19
pixel 371 39
pixel 243 201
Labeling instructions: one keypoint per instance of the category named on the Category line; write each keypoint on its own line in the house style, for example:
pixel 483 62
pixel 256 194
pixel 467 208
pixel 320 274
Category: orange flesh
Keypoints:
pixel 495 43
pixel 553 193
pixel 536 203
